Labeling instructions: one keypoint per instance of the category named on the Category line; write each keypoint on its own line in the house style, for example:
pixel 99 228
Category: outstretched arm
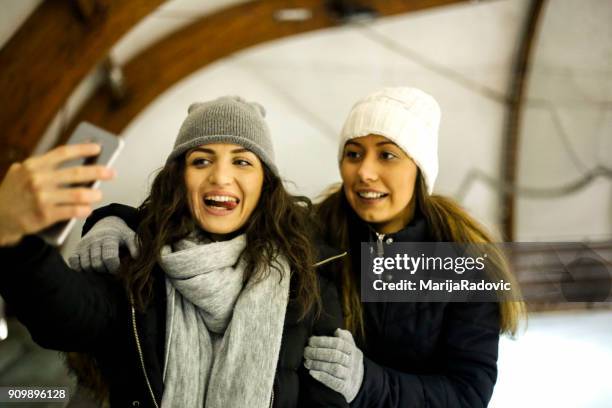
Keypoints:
pixel 63 309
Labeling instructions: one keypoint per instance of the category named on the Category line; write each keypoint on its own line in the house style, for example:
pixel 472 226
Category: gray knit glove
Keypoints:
pixel 336 362
pixel 98 250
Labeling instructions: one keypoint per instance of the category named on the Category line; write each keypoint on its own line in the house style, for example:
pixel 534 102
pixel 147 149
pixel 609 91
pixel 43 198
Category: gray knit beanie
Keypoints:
pixel 228 119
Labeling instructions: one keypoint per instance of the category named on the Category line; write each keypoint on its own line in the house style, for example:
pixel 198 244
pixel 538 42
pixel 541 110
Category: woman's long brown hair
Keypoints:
pixel 447 222
pixel 279 225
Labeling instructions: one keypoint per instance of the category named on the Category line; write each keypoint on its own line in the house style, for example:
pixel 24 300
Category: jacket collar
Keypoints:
pixel 417 230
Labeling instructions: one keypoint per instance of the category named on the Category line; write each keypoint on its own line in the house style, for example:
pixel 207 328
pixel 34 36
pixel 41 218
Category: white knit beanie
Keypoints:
pixel 407 116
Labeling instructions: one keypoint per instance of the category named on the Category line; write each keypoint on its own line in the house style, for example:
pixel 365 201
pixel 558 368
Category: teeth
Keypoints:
pixel 219 198
pixel 371 194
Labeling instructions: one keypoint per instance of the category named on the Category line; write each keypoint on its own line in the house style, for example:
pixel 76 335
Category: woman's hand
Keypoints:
pixel 37 193
pixel 99 249
pixel 336 362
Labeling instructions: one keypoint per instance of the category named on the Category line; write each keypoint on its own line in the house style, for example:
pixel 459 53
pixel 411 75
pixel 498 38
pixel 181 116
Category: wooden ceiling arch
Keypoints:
pixel 63 41
pixel 47 58
pixel 517 89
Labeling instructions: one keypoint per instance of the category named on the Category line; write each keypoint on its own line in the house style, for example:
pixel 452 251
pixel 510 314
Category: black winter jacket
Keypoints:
pixel 89 312
pixel 424 354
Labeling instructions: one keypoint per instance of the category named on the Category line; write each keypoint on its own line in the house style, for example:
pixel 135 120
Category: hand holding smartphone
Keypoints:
pixel 110 147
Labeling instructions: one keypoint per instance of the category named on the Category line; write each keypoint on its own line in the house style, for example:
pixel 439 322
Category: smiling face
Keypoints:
pixel 379 180
pixel 224 183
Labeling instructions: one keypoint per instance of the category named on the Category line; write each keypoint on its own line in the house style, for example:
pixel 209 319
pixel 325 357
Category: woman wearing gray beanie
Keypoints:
pixel 221 294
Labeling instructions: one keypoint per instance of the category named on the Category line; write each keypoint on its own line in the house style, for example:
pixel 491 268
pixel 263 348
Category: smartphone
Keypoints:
pixel 111 146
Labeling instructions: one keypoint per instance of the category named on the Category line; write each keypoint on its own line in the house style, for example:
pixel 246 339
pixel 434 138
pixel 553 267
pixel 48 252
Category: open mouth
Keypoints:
pixel 221 202
pixel 371 195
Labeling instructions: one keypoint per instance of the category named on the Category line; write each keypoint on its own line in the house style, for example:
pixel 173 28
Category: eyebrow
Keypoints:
pixel 210 151
pixel 384 142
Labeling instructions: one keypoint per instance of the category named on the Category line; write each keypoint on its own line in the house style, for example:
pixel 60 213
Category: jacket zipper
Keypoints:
pixel 380 250
pixel 272 399
pixel 274 380
pixel 141 357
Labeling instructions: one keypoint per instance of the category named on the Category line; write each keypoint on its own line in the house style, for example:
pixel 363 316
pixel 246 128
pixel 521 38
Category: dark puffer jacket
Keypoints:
pixel 89 312
pixel 424 354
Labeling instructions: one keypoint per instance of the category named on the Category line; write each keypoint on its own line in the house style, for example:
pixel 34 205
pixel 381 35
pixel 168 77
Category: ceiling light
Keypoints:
pixel 293 14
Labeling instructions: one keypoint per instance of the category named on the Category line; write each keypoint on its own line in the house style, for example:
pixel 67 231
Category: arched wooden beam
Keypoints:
pixel 208 39
pixel 48 57
pixel 516 95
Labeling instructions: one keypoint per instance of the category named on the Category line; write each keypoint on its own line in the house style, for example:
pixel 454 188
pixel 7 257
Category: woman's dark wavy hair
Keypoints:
pixel 279 225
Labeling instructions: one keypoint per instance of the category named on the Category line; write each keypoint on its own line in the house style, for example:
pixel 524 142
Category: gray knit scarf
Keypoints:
pixel 222 339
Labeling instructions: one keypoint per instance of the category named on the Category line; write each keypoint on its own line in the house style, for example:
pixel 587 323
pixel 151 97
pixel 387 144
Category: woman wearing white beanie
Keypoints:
pixel 402 354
